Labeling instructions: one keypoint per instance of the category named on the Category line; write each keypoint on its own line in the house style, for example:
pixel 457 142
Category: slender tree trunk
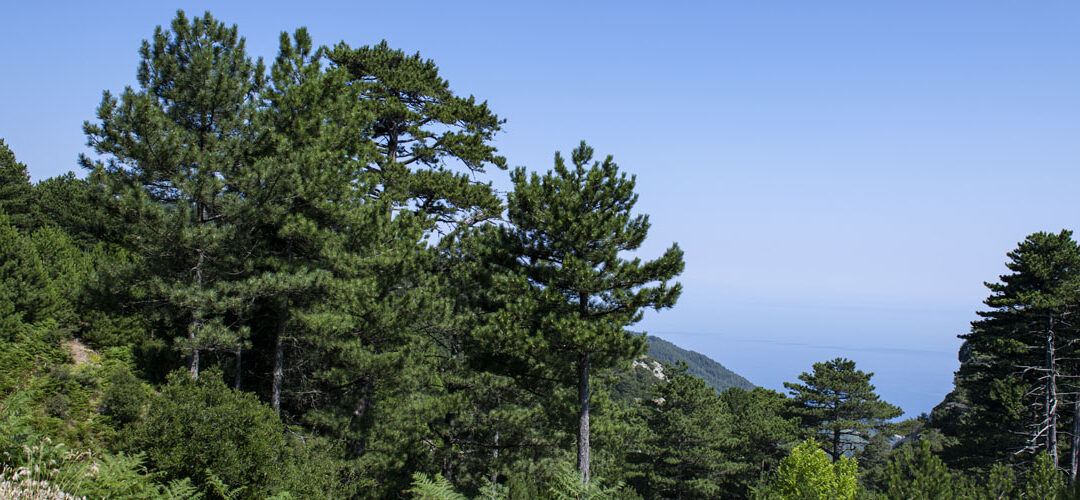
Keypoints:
pixel 583 417
pixel 1075 463
pixel 193 360
pixel 391 146
pixel 1051 401
pixel 239 364
pixel 279 361
pixel 358 446
pixel 495 458
pixel 836 432
pixel 495 447
pixel 836 446
pixel 193 356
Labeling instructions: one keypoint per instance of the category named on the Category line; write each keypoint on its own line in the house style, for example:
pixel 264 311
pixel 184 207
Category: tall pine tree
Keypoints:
pixel 1016 356
pixel 577 294
pixel 172 149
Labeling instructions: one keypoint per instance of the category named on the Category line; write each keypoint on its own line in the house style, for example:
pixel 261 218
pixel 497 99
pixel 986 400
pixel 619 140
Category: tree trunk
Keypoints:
pixel 495 458
pixel 836 446
pixel 1075 440
pixel 193 356
pixel 239 364
pixel 193 359
pixel 279 362
pixel 1051 401
pixel 583 417
pixel 358 447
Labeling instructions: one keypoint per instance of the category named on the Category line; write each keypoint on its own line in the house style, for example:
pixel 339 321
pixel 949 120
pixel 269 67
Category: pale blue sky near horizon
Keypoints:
pixel 843 176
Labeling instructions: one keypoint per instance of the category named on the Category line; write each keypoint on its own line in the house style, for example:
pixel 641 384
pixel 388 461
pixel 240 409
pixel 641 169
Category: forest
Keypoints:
pixel 295 279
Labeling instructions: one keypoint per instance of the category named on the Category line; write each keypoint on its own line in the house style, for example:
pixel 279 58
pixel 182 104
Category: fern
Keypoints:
pixel 218 487
pixel 181 489
pixel 425 488
pixel 493 491
pixel 567 485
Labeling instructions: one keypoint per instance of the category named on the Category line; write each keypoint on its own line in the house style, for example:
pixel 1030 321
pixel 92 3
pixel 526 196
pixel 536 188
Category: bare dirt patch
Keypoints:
pixel 80 353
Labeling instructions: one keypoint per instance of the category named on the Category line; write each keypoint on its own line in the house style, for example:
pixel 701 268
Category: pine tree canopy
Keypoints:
pixel 570 229
pixel 15 188
pixel 421 128
pixel 570 294
pixel 838 402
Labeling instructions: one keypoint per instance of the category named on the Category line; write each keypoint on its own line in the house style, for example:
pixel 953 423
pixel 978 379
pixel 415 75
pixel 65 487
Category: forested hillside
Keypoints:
pixel 697 364
pixel 294 279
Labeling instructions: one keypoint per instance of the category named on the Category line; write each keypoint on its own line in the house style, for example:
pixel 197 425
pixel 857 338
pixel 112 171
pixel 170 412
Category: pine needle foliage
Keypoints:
pixel 575 291
pixel 838 403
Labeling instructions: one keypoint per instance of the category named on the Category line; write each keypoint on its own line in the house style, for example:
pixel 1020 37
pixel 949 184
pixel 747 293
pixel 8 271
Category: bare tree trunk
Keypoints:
pixel 1051 402
pixel 193 360
pixel 279 361
pixel 1075 463
pixel 196 321
pixel 239 364
pixel 392 146
pixel 495 458
pixel 583 417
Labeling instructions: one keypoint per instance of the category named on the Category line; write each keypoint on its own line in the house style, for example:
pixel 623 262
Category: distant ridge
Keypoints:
pixel 698 364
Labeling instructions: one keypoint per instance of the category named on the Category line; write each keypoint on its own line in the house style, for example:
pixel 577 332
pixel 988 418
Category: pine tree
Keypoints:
pixel 39 274
pixel 79 208
pixel 574 294
pixel 302 201
pixel 422 129
pixel 915 472
pixel 761 430
pixel 375 332
pixel 838 403
pixel 1017 362
pixel 691 439
pixel 16 192
pixel 27 296
pixel 173 147
pixel 1045 479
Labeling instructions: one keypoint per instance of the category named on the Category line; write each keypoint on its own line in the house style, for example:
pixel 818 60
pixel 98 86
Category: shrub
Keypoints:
pixel 227 441
pixel 124 396
pixel 808 473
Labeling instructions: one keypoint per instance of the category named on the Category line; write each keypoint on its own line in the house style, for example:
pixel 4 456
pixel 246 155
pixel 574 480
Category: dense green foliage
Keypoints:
pixel 809 473
pixel 838 405
pixel 15 189
pixel 204 430
pixel 686 454
pixel 297 281
pixel 575 293
pixel 1003 387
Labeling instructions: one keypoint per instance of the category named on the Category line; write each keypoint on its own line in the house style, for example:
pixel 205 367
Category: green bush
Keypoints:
pixel 227 441
pixel 124 396
pixel 915 472
pixel 808 473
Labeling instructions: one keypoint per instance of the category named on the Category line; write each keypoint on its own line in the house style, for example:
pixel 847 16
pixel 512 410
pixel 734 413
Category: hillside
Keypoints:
pixel 700 365
pixel 648 370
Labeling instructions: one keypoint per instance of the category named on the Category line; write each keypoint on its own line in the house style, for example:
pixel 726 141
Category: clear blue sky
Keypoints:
pixel 843 176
